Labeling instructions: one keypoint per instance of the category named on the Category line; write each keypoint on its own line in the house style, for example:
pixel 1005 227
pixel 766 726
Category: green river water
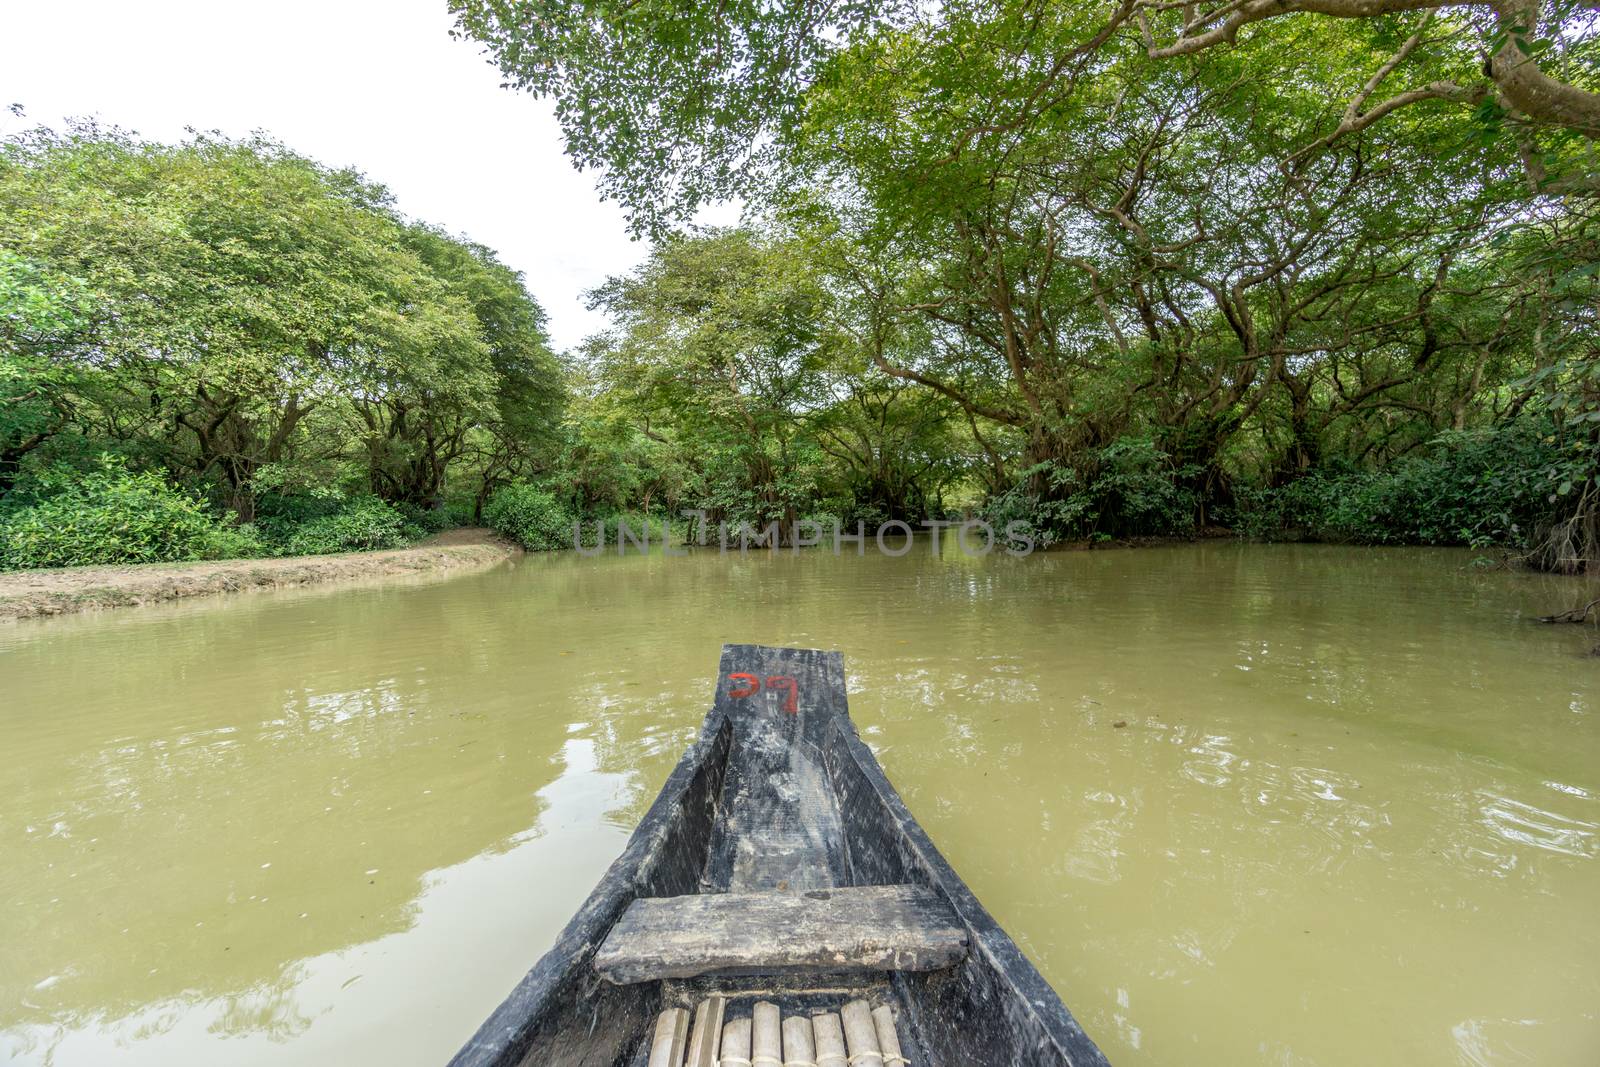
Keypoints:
pixel 1240 804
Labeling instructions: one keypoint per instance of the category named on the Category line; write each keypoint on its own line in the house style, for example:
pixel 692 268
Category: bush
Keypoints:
pixel 233 542
pixel 530 516
pixel 1127 489
pixel 323 521
pixel 1475 487
pixel 421 521
pixel 362 524
pixel 113 515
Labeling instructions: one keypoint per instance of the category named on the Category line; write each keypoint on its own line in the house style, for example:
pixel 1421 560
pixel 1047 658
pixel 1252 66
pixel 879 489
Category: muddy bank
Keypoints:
pixel 32 594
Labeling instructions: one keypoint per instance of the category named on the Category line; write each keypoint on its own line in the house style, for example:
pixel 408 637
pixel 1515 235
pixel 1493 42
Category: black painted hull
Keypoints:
pixel 993 1008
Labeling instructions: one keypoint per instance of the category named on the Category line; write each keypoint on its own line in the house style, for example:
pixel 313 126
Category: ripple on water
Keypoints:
pixel 338 827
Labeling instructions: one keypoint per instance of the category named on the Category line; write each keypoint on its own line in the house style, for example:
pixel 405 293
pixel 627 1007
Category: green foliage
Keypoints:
pixel 255 322
pixel 423 521
pixel 1137 490
pixel 113 515
pixel 530 516
pixel 1129 488
pixel 1134 257
pixel 721 352
pixel 1003 258
pixel 734 89
pixel 358 525
pixel 1471 488
pixel 36 306
pixel 226 541
pixel 713 74
pixel 39 311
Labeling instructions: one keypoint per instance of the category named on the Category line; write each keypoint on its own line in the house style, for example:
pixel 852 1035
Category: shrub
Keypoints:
pixel 362 524
pixel 1137 491
pixel 421 521
pixel 530 516
pixel 325 520
pixel 113 515
pixel 1475 487
pixel 233 542
pixel 1127 489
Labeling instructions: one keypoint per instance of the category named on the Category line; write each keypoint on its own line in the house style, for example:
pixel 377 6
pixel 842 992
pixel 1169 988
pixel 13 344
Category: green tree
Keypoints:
pixel 477 395
pixel 40 313
pixel 729 85
pixel 720 346
pixel 1083 227
pixel 256 322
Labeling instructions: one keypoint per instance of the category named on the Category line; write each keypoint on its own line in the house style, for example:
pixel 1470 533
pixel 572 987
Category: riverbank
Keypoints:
pixel 38 593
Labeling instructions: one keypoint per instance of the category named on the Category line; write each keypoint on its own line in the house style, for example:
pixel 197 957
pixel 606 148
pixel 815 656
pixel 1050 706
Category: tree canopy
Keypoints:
pixel 1258 240
pixel 1321 268
pixel 681 104
pixel 255 323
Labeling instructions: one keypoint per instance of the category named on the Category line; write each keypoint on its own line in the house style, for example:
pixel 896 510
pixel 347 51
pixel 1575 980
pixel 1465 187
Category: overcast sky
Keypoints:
pixel 375 84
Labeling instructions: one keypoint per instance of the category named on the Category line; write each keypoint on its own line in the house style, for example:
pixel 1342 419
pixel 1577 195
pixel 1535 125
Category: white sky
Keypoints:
pixel 375 84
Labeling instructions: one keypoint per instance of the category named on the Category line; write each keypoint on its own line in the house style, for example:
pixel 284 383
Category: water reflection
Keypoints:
pixel 1228 798
pixel 1524 824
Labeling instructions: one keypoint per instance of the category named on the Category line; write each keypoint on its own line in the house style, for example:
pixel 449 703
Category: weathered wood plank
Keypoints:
pixel 778 825
pixel 855 928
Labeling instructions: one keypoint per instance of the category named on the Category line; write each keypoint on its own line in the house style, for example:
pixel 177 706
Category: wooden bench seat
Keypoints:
pixel 854 928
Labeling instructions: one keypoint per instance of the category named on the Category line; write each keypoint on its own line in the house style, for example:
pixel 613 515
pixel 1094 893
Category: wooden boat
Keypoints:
pixel 778 864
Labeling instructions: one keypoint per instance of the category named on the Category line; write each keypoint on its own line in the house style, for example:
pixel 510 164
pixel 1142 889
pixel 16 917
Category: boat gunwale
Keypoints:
pixel 506 1035
pixel 987 938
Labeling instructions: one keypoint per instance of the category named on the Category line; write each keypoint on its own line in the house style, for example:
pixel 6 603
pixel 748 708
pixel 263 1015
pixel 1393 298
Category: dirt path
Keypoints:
pixel 30 594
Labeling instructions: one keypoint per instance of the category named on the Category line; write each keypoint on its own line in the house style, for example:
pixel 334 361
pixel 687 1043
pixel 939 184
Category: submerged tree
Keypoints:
pixel 1258 239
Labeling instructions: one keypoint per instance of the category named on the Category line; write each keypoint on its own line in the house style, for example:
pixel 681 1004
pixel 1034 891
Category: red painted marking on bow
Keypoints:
pixel 755 684
pixel 791 703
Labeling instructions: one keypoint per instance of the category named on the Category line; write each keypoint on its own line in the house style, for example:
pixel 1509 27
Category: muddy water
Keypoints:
pixel 1246 805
